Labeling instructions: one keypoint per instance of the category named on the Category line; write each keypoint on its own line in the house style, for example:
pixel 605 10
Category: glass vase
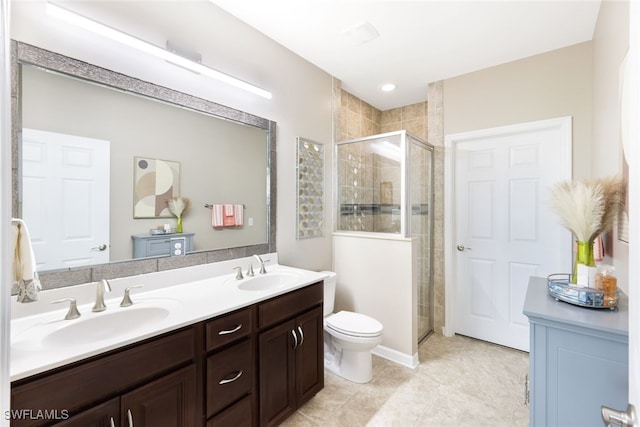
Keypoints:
pixel 179 226
pixel 584 255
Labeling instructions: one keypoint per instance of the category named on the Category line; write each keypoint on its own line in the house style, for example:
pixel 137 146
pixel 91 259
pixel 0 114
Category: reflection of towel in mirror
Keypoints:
pixel 598 249
pixel 238 215
pixel 25 277
pixel 229 218
pixel 227 215
pixel 216 216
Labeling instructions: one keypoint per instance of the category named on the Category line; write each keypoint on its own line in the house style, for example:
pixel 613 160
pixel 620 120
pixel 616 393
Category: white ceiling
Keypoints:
pixel 419 41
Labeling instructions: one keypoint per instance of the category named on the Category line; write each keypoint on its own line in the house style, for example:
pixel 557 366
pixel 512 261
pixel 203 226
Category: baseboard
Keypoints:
pixel 395 356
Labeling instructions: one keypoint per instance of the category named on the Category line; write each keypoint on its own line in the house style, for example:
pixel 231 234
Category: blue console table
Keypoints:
pixel 578 359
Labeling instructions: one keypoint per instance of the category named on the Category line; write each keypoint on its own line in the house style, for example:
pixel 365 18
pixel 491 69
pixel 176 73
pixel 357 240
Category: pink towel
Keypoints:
pixel 229 218
pixel 227 215
pixel 239 215
pixel 216 216
pixel 598 249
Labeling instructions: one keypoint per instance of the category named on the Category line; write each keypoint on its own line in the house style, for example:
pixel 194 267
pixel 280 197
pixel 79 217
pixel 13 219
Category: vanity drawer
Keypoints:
pixel 288 305
pixel 85 383
pixel 230 376
pixel 230 327
pixel 240 414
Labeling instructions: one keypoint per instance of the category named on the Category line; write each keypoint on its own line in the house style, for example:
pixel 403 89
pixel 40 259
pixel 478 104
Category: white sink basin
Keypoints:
pixel 272 280
pixel 87 329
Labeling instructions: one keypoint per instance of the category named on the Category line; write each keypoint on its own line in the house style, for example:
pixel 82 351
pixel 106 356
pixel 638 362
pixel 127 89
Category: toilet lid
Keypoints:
pixel 355 324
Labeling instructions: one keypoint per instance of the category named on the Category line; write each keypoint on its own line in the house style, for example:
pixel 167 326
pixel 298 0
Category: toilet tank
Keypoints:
pixel 329 292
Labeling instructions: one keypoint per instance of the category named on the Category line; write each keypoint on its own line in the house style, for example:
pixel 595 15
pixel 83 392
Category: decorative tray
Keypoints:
pixel 560 287
pixel 159 231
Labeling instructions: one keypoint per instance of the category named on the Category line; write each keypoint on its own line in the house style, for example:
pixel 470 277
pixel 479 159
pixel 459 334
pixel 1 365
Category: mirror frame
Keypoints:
pixel 23 53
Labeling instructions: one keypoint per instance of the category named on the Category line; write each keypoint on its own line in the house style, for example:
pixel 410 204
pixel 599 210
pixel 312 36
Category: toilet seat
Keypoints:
pixel 354 324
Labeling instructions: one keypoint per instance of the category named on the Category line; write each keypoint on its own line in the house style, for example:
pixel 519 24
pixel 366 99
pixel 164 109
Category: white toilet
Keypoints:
pixel 348 338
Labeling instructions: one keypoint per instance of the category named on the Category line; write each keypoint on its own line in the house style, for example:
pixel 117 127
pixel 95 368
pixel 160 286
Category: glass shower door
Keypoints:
pixel 420 200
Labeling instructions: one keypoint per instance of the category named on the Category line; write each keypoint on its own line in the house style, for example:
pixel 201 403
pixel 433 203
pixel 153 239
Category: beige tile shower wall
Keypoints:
pixel 356 118
pixel 436 138
pixel 412 118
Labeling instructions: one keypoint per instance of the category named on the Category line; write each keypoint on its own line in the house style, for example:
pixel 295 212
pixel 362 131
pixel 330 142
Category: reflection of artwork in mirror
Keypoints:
pixel 310 169
pixel 155 181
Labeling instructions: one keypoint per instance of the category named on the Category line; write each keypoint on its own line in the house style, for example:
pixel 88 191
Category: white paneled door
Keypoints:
pixel 504 230
pixel 65 188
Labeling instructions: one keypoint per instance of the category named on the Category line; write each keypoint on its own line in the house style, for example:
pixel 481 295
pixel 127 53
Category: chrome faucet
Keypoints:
pixel 262 269
pixel 102 287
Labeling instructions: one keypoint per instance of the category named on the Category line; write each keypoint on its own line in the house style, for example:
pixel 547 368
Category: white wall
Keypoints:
pixel 377 276
pixel 610 44
pixel 301 103
pixel 5 209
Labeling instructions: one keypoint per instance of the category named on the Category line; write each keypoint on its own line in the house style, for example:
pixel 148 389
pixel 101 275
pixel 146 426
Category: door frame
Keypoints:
pixel 563 123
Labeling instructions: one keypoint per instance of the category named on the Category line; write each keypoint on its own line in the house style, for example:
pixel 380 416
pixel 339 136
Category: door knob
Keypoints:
pixel 100 248
pixel 461 248
pixel 620 418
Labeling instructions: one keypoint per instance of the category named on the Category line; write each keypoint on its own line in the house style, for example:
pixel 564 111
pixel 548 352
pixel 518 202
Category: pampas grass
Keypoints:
pixel 588 208
pixel 178 205
pixel 615 193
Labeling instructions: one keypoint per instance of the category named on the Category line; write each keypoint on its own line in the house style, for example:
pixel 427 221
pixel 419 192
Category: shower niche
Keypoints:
pixel 384 185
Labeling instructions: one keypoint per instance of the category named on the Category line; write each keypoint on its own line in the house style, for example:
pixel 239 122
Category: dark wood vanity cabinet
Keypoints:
pixel 166 402
pixel 290 348
pixel 134 382
pixel 254 366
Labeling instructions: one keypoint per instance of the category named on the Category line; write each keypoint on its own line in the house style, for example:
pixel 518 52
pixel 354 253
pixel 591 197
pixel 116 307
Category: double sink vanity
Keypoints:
pixel 197 347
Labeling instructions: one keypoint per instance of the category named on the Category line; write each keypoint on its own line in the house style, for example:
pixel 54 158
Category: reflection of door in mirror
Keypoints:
pixel 66 198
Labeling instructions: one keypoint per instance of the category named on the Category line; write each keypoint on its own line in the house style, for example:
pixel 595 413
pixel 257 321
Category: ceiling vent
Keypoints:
pixel 361 33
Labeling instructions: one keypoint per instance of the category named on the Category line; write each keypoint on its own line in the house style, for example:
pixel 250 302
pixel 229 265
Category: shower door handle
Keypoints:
pixel 461 248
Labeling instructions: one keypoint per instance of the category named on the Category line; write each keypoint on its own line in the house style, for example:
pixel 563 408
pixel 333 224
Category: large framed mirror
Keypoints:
pixel 114 130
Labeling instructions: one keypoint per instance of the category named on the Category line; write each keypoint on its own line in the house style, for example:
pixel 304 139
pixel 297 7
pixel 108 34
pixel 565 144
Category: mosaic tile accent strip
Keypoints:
pixel 310 171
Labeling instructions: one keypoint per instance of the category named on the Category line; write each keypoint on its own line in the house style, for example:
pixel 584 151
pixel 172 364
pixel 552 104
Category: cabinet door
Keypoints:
pixel 309 355
pixel 277 373
pixel 158 247
pixel 104 415
pixel 167 402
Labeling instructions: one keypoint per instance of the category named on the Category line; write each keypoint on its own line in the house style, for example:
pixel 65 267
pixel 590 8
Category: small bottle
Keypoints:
pixel 608 284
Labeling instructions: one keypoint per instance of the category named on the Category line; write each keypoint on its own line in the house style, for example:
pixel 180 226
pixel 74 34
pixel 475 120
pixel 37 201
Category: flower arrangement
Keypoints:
pixel 588 209
pixel 178 206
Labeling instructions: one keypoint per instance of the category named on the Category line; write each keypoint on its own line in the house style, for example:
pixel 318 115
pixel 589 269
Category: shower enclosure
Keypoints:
pixel 384 185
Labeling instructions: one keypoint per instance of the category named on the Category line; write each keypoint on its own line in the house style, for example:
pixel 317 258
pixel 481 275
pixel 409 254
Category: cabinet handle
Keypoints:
pixel 111 422
pixel 295 339
pixel 230 380
pixel 130 417
pixel 301 335
pixel 231 331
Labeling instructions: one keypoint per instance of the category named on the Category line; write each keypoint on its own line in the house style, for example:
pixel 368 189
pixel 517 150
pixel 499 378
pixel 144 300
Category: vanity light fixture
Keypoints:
pixel 136 43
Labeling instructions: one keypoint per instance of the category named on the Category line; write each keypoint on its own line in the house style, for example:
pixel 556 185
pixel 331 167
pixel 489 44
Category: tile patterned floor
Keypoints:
pixel 460 382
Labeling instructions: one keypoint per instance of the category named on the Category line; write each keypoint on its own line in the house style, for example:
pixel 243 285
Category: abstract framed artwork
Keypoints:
pixel 154 182
pixel 310 186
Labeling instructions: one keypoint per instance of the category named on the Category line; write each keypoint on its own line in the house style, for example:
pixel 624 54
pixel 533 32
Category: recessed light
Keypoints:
pixel 388 87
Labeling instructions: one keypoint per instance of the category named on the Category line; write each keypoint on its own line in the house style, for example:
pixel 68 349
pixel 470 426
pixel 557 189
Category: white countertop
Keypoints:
pixel 34 351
